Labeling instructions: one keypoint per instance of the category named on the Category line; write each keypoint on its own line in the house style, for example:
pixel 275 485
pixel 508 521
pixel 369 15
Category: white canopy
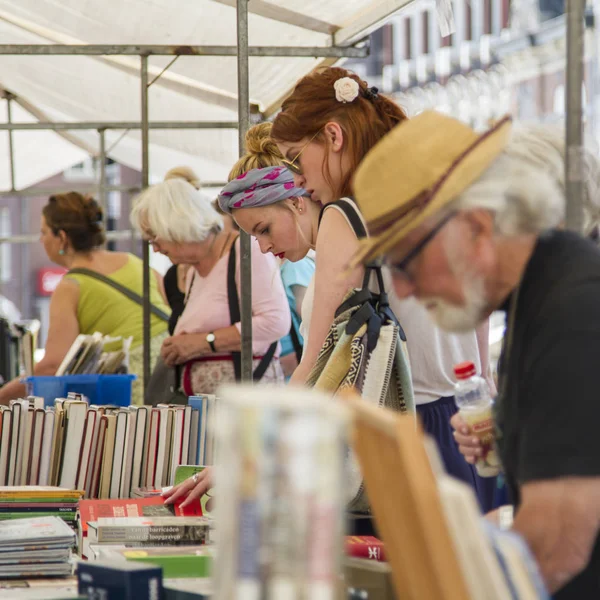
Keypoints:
pixel 194 88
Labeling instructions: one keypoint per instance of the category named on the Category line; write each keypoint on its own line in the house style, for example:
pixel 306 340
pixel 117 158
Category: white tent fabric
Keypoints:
pixel 82 88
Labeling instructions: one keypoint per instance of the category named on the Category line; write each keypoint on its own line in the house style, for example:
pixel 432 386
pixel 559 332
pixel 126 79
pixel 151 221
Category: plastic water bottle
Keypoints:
pixel 472 397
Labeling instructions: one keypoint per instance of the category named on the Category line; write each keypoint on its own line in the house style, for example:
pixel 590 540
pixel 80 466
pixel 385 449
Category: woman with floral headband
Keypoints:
pixel 325 128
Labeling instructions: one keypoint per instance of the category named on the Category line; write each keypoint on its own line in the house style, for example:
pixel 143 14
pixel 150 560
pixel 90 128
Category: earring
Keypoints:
pixel 61 252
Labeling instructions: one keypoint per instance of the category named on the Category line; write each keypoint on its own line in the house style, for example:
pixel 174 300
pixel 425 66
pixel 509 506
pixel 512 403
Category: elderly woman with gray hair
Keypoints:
pixel 180 223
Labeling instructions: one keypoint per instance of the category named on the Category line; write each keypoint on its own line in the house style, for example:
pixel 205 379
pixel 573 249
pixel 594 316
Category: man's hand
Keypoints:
pixel 560 520
pixel 469 445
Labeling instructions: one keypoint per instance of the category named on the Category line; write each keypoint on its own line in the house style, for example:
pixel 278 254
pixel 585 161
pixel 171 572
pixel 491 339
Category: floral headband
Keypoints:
pixel 347 90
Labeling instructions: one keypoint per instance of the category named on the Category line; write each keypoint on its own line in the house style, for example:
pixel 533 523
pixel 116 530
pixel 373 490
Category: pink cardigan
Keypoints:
pixel 207 307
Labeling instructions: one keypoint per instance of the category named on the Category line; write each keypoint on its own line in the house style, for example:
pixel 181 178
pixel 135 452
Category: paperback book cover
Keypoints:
pixel 365 546
pixel 154 506
pixel 150 530
pixel 176 562
pixel 119 580
pixel 35 531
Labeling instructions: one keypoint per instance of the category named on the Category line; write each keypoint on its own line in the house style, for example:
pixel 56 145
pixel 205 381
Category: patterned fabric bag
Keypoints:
pixel 365 350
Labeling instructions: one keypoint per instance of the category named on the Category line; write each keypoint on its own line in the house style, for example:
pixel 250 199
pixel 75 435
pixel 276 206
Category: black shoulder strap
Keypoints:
pixel 350 212
pixel 234 315
pixel 120 288
pixel 295 337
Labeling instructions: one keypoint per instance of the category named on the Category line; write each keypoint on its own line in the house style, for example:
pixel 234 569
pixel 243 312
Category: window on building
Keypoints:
pixel 468 21
pixel 426 18
pixel 5 248
pixel 487 16
pixel 407 38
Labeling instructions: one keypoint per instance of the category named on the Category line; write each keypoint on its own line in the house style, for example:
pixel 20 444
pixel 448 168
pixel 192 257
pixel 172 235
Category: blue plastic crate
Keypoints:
pixel 100 389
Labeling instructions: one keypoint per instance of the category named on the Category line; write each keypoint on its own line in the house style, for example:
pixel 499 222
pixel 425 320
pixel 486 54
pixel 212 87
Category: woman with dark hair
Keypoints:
pixel 72 233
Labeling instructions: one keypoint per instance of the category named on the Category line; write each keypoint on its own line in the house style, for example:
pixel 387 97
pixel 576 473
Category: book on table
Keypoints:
pixel 150 530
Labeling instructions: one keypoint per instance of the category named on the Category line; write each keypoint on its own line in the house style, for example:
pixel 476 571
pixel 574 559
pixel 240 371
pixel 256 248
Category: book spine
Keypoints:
pixel 156 534
pixel 248 581
pixel 364 549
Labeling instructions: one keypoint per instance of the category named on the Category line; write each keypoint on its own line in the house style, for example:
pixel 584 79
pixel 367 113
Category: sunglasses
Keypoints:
pixel 400 268
pixel 293 165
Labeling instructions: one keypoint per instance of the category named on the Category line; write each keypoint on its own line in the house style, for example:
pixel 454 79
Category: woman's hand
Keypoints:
pixel 468 444
pixel 178 349
pixel 192 488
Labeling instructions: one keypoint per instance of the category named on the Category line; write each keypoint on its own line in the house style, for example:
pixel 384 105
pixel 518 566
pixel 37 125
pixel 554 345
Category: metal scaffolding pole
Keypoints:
pixel 30 238
pixel 68 126
pixel 145 245
pixel 573 101
pixel 165 50
pixel 35 192
pixel 245 249
pixel 11 148
pixel 23 211
pixel 102 183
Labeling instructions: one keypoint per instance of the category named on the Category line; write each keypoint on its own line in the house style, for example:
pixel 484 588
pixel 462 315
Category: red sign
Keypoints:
pixel 47 280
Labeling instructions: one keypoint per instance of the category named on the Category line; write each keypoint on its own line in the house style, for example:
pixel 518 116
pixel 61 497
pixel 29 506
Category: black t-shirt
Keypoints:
pixel 175 297
pixel 548 415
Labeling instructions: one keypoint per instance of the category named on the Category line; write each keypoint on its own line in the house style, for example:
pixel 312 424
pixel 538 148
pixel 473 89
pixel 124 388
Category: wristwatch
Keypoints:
pixel 210 338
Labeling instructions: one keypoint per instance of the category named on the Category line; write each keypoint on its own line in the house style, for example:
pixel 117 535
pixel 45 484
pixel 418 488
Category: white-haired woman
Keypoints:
pixel 180 223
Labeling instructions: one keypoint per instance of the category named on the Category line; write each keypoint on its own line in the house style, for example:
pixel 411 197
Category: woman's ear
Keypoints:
pixel 62 236
pixel 334 135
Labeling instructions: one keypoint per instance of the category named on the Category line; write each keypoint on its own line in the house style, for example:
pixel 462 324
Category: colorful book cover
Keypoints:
pixel 176 562
pixel 365 546
pixel 151 530
pixel 154 506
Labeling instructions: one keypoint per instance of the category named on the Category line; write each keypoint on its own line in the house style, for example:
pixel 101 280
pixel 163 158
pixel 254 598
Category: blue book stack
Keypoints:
pixel 119 580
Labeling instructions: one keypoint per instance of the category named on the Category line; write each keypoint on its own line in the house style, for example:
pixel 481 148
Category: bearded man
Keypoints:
pixel 466 228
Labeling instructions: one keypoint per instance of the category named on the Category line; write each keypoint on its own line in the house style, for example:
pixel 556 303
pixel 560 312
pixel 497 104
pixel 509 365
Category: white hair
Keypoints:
pixel 525 187
pixel 176 212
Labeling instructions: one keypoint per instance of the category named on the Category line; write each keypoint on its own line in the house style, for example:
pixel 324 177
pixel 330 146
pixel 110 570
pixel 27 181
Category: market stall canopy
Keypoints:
pixel 106 88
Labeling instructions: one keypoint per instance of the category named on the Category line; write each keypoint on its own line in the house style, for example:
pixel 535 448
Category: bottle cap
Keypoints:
pixel 464 370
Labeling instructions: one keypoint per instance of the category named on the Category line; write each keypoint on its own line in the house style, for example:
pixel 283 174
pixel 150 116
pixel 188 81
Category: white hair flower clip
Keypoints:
pixel 346 90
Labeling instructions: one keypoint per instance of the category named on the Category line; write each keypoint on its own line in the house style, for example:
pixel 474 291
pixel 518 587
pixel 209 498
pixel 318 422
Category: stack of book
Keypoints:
pixel 280 489
pixel 36 547
pixel 106 451
pixel 38 501
pixel 153 506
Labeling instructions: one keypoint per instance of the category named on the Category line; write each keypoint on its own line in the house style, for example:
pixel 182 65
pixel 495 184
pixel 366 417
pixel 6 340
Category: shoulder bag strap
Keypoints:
pixel 296 343
pixel 234 308
pixel 234 314
pixel 120 288
pixel 348 209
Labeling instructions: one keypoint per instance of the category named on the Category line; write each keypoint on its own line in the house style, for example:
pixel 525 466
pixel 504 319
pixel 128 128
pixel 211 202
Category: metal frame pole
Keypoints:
pixel 23 213
pixel 145 245
pixel 573 102
pixel 165 50
pixel 102 182
pixel 245 249
pixel 79 125
pixel 11 151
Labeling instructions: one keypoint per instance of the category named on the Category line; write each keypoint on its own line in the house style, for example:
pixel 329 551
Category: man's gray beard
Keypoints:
pixel 460 319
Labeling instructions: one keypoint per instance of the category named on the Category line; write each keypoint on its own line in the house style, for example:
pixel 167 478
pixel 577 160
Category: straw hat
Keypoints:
pixel 415 171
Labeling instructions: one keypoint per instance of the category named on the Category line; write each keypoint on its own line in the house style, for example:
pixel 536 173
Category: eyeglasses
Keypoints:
pixel 400 268
pixel 292 165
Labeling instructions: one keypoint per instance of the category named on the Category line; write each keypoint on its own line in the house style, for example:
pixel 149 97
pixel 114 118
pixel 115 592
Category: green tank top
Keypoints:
pixel 106 310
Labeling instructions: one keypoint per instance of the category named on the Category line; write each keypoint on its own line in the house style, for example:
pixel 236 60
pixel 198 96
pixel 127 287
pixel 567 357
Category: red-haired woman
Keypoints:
pixel 325 128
